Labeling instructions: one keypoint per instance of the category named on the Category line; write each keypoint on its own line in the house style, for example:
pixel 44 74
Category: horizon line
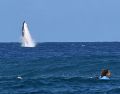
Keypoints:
pixel 56 41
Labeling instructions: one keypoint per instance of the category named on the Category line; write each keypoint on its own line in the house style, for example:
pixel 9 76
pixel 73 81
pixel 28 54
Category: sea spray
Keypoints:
pixel 27 40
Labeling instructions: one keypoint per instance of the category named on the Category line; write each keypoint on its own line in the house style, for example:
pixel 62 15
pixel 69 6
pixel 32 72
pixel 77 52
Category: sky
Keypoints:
pixel 61 20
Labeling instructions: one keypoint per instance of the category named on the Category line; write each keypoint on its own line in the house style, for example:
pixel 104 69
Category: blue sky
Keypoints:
pixel 61 20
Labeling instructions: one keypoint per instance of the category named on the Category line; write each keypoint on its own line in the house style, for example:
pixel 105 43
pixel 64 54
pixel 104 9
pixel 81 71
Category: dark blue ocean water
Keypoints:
pixel 59 68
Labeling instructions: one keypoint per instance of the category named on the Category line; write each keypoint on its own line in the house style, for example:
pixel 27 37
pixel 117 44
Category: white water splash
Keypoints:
pixel 27 40
pixel 19 77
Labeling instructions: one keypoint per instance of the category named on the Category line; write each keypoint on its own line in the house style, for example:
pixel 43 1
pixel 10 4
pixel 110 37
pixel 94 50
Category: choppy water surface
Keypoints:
pixel 59 68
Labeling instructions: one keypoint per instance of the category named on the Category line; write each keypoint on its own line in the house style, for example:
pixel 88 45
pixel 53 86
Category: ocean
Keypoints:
pixel 59 68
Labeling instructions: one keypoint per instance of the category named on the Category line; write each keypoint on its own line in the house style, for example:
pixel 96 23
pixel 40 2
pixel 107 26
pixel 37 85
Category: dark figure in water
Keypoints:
pixel 105 74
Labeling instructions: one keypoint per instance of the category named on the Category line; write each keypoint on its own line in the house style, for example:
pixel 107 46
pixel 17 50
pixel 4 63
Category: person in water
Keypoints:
pixel 105 74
